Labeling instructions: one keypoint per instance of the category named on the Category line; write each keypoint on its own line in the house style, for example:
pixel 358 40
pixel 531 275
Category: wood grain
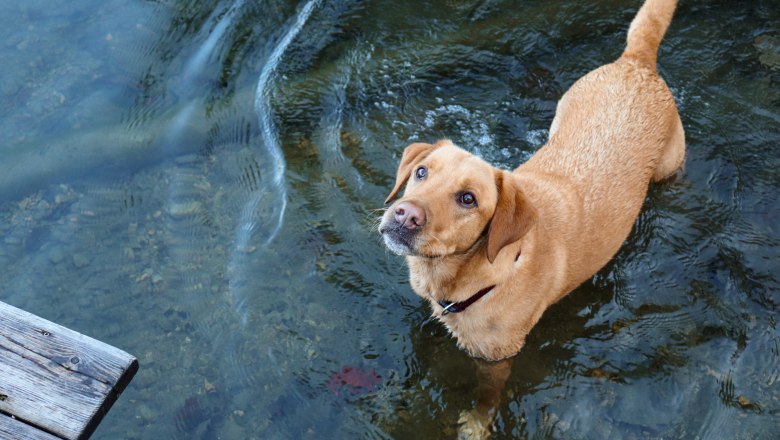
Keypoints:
pixel 14 429
pixel 56 379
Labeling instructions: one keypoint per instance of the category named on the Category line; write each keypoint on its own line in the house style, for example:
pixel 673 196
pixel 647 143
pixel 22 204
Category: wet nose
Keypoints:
pixel 409 215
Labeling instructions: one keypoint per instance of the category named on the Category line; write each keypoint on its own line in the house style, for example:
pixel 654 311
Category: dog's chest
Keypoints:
pixel 431 280
pixel 480 333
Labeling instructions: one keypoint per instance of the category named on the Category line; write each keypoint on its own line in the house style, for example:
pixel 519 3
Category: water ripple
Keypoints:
pixel 196 63
pixel 272 198
pixel 270 141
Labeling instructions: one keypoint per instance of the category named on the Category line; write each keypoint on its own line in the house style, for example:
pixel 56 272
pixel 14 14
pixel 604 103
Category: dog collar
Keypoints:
pixel 457 307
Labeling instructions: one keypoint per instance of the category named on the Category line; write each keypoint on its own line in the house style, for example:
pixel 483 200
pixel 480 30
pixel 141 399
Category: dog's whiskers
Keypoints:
pixel 375 221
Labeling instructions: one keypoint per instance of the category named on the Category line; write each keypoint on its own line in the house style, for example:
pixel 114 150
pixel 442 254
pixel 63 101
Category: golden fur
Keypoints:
pixel 541 230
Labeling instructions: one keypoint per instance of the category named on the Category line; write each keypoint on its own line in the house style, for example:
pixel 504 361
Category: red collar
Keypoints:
pixel 457 307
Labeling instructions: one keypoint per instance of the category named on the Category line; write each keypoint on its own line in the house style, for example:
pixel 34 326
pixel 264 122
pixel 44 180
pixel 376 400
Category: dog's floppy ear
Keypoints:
pixel 513 217
pixel 412 154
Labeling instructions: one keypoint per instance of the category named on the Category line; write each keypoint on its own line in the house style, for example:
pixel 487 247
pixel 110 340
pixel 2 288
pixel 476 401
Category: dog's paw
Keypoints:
pixel 475 425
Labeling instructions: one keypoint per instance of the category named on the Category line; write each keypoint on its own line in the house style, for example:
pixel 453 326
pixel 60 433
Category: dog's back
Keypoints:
pixel 615 130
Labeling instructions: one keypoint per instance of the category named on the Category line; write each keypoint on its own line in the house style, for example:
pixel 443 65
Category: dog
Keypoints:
pixel 491 249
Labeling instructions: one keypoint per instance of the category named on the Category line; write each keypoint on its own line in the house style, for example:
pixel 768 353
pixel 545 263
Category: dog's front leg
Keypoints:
pixel 491 378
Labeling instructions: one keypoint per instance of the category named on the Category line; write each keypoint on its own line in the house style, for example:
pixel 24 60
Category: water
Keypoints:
pixel 196 183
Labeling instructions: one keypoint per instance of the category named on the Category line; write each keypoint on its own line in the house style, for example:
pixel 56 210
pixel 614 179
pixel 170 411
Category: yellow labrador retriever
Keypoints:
pixel 492 249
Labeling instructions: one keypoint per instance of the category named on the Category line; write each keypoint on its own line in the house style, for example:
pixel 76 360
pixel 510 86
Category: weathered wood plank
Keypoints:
pixel 57 379
pixel 12 428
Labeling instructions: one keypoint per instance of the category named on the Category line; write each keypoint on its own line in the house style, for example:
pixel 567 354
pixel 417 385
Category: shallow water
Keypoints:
pixel 196 183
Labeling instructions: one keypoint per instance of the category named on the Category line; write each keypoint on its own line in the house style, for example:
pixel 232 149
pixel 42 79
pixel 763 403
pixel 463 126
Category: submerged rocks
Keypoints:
pixel 184 209
pixel 80 261
pixel 56 254
pixel 768 47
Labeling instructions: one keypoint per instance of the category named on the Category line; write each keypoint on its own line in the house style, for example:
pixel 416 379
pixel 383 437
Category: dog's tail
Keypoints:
pixel 647 30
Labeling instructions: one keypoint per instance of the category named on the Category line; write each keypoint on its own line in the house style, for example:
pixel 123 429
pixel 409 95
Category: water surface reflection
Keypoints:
pixel 195 182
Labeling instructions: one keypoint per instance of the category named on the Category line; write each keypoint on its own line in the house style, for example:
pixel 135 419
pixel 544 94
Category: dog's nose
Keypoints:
pixel 410 215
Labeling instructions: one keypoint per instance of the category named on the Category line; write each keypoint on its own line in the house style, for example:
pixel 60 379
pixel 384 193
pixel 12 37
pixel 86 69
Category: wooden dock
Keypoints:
pixel 55 383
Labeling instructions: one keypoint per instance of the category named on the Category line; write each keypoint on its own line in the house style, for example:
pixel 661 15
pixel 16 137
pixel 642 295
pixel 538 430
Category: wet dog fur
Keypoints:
pixel 539 231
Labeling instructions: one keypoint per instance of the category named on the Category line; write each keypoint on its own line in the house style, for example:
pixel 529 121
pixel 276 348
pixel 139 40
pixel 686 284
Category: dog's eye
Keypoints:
pixel 420 173
pixel 468 200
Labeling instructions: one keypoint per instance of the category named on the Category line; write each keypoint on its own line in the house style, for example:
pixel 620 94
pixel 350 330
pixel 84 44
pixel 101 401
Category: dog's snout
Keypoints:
pixel 409 215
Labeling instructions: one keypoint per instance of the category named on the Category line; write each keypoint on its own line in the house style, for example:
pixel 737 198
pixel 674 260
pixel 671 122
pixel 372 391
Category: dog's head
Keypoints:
pixel 452 200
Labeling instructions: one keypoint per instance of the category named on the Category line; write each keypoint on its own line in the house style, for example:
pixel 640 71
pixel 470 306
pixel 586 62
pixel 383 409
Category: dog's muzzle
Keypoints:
pixel 398 239
pixel 400 229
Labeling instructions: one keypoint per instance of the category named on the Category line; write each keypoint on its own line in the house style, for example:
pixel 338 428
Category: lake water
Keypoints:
pixel 197 183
